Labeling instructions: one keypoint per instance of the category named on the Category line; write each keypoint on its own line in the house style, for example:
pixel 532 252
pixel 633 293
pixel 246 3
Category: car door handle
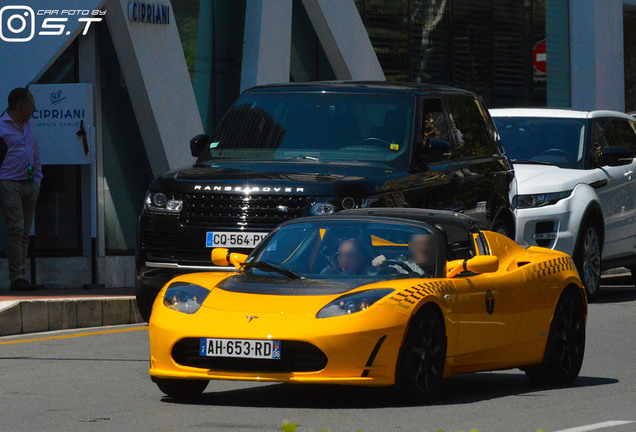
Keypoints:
pixel 628 174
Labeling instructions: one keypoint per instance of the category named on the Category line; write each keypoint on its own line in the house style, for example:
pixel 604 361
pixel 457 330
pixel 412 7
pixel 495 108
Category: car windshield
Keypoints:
pixel 342 249
pixel 320 126
pixel 555 141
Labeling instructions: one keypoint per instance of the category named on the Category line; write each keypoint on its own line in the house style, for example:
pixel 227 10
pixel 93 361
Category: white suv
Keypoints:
pixel 576 184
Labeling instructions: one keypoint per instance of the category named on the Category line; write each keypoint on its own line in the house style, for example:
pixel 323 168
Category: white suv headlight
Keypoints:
pixel 539 200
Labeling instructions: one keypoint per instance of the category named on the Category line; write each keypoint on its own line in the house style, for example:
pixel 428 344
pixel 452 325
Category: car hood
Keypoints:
pixel 533 179
pixel 266 294
pixel 301 176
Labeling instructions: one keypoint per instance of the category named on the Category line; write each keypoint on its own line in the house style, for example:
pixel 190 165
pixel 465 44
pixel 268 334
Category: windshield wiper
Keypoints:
pixel 272 266
pixel 530 162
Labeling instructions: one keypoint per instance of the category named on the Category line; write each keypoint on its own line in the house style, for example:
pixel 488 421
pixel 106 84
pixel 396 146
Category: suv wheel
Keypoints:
pixel 145 299
pixel 500 227
pixel 587 258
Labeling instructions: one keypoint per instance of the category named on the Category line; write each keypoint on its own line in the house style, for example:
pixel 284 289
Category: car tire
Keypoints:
pixel 145 297
pixel 565 347
pixel 587 258
pixel 181 389
pixel 500 227
pixel 422 357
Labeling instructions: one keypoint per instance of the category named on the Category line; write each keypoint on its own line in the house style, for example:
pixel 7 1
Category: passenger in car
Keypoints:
pixel 421 259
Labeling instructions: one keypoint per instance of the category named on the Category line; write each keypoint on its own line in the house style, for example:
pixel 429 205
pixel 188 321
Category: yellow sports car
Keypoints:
pixel 377 297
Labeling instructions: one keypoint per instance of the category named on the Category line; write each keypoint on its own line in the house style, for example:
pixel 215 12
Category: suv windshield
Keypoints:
pixel 344 249
pixel 556 141
pixel 324 126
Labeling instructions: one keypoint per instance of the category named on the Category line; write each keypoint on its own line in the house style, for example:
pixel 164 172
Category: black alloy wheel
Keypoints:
pixel 565 347
pixel 423 357
pixel 587 258
pixel 181 389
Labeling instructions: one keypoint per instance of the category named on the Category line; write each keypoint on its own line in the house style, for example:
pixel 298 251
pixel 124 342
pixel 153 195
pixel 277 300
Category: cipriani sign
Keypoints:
pixel 149 13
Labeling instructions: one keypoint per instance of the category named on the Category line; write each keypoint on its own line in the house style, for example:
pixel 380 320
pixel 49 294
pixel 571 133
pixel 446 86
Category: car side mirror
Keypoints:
pixel 224 258
pixel 615 156
pixel 199 143
pixel 478 264
pixel 438 150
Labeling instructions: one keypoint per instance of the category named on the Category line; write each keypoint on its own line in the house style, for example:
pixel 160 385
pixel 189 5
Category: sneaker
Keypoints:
pixel 22 285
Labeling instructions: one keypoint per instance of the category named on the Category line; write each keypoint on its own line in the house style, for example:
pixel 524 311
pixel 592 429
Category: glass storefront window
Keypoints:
pixel 58 221
pixel 127 171
pixel 481 45
pixel 186 14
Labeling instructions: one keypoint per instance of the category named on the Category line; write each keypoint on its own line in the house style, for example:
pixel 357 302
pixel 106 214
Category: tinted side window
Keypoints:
pixel 434 123
pixel 469 129
pixel 601 137
pixel 624 133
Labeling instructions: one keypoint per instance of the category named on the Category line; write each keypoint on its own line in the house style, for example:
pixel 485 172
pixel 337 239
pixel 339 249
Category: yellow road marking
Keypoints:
pixel 76 335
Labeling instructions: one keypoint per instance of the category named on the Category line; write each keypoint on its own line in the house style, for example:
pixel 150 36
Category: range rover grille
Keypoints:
pixel 256 210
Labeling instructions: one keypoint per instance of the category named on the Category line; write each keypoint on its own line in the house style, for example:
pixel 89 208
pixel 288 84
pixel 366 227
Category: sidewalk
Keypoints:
pixel 57 309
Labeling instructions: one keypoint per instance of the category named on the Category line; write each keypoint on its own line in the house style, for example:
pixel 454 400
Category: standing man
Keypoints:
pixel 20 177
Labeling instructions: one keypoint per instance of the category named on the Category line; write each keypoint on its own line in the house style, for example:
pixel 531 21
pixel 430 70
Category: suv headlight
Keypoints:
pixel 158 202
pixel 326 206
pixel 539 200
pixel 185 297
pixel 352 303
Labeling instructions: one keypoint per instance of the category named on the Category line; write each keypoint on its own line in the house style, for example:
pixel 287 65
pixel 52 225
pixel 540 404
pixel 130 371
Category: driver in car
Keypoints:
pixel 421 259
pixel 350 258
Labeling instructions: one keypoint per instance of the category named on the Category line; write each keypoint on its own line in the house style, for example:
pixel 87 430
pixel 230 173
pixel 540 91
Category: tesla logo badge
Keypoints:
pixel 490 302
pixel 250 318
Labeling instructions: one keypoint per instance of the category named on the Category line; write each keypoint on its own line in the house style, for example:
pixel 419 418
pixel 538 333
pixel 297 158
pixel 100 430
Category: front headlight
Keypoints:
pixel 539 200
pixel 327 206
pixel 185 297
pixel 158 202
pixel 352 303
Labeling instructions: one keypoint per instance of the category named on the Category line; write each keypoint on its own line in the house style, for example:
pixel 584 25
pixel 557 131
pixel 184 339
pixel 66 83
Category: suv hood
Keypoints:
pixel 294 177
pixel 534 179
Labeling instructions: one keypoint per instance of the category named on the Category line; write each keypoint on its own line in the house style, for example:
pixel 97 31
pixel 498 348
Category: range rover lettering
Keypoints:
pixel 292 150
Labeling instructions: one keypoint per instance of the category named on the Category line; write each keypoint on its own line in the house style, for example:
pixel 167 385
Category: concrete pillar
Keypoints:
pixel 154 68
pixel 344 39
pixel 557 36
pixel 596 55
pixel 267 42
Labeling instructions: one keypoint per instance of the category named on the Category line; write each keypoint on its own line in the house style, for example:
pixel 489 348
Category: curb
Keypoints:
pixel 39 315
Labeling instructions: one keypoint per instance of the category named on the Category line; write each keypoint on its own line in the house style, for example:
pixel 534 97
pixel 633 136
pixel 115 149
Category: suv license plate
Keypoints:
pixel 240 348
pixel 233 239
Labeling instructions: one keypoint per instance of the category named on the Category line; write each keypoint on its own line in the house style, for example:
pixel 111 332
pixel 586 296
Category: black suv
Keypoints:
pixel 284 151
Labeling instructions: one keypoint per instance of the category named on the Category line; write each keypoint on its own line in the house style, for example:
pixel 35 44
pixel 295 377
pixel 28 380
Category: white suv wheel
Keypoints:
pixel 588 257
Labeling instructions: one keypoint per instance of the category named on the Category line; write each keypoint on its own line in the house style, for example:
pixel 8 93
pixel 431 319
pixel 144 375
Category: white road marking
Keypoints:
pixel 596 426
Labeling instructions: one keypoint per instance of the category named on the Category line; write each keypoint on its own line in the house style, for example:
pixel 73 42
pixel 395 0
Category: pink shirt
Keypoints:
pixel 22 151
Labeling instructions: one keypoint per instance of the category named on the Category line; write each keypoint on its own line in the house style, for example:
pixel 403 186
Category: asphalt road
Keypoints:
pixel 83 381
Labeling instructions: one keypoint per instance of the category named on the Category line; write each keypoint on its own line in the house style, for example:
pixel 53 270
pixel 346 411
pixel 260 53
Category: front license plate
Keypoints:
pixel 233 239
pixel 240 348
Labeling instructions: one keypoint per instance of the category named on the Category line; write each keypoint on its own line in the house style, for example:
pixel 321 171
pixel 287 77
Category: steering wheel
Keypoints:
pixel 559 152
pixel 376 142
pixel 373 271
